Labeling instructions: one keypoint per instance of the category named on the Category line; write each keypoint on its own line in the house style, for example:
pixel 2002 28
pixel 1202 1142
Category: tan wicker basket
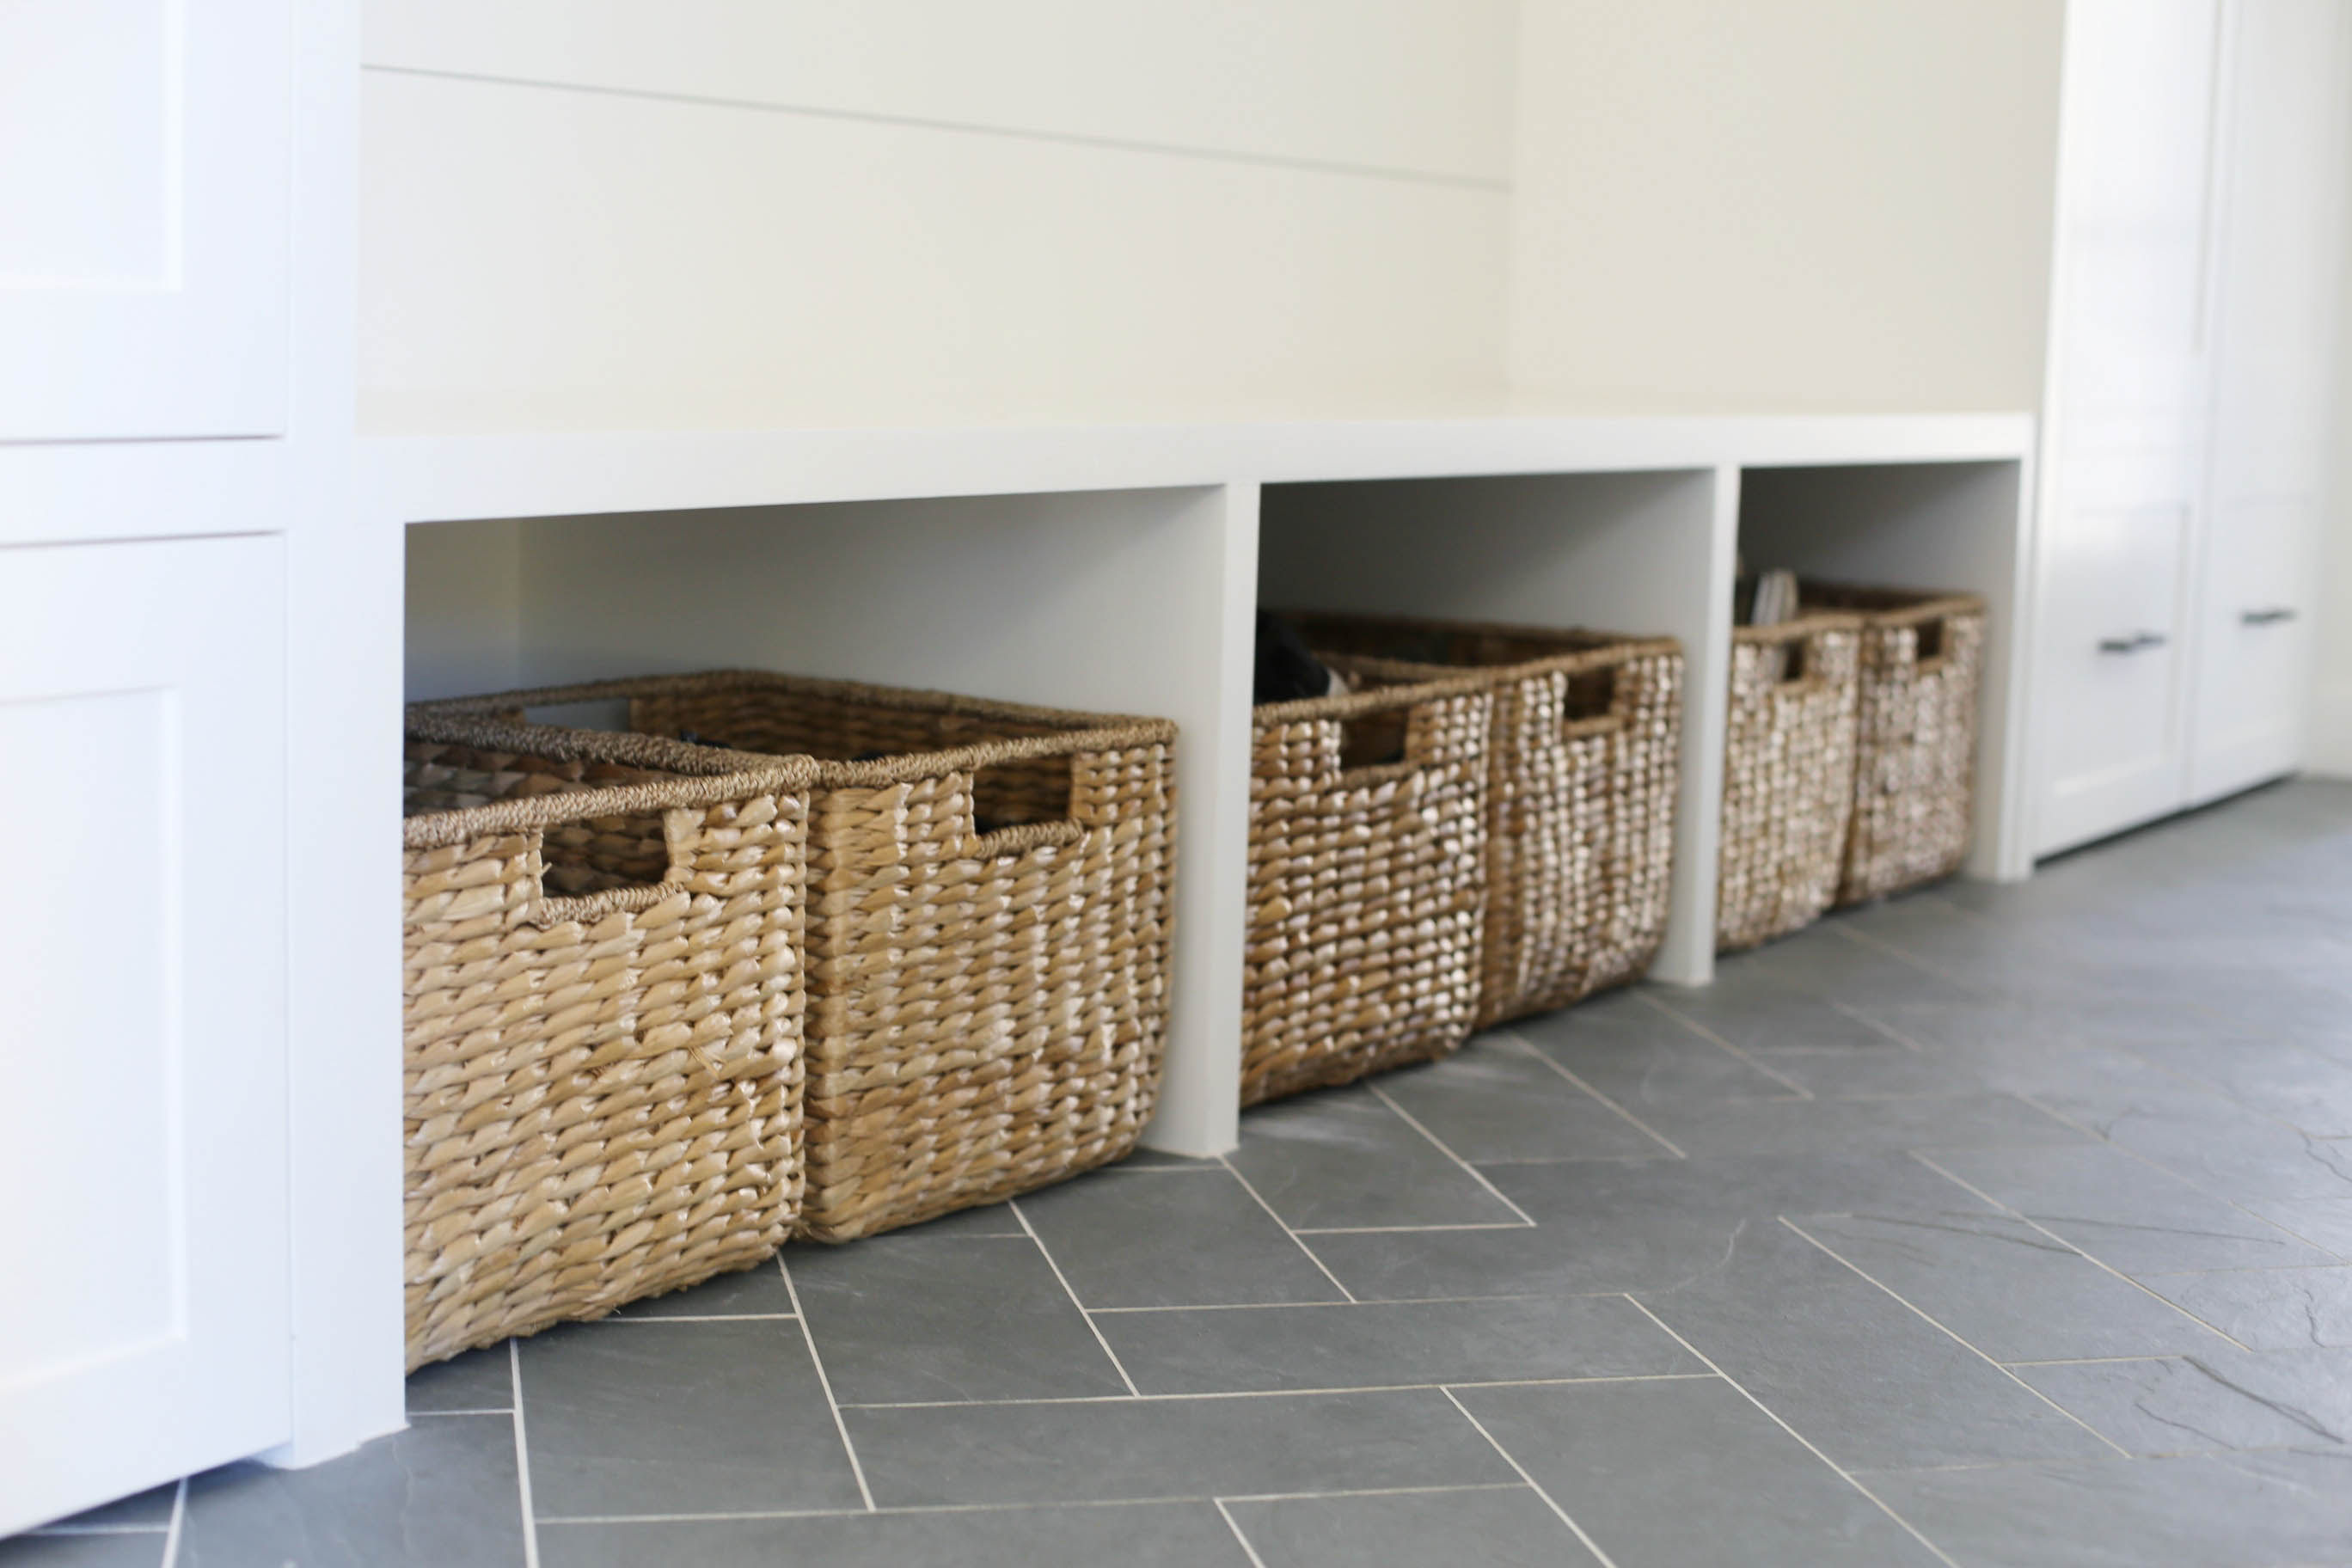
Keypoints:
pixel 603 1022
pixel 1914 768
pixel 988 937
pixel 1583 765
pixel 1367 883
pixel 1788 775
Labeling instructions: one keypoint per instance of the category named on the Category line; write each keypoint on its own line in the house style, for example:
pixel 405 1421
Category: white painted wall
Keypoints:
pixel 1784 203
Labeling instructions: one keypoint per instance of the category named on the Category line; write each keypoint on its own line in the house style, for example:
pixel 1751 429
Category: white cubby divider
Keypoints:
pixel 1118 568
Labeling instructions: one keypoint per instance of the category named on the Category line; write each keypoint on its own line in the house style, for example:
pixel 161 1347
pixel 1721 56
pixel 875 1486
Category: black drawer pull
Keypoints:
pixel 2269 618
pixel 2135 642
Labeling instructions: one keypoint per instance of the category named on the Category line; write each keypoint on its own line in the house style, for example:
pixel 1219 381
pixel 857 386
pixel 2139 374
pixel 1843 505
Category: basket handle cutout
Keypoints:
pixel 1591 705
pixel 597 868
pixel 1022 803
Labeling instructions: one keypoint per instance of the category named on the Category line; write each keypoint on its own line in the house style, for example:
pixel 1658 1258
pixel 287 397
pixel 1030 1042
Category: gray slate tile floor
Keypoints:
pixel 1985 1225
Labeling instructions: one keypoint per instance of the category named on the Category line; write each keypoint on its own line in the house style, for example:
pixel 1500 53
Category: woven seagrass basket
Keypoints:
pixel 988 934
pixel 1914 768
pixel 603 1021
pixel 1583 764
pixel 1788 775
pixel 1367 883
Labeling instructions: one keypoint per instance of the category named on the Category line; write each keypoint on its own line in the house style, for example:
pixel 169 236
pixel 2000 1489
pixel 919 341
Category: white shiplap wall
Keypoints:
pixel 731 212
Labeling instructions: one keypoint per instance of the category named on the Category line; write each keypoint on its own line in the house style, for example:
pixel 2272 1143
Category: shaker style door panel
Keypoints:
pixel 143 1333
pixel 143 169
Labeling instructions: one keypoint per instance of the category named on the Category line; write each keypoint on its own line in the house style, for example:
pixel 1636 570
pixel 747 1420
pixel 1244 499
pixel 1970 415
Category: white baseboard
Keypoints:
pixel 2331 731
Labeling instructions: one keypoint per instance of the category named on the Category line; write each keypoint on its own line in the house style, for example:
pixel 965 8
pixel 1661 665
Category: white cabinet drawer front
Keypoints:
pixel 2107 668
pixel 141 1004
pixel 144 168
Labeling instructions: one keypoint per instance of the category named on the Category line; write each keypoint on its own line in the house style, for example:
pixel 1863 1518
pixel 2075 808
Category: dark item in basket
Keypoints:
pixel 1288 669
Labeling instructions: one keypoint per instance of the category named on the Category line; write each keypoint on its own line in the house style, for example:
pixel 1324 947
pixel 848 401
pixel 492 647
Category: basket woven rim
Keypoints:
pixel 1600 648
pixel 1805 624
pixel 1350 704
pixel 710 775
pixel 1077 730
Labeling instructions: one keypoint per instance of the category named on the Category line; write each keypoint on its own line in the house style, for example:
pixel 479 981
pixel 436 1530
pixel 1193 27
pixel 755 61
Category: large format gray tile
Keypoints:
pixel 1732 1126
pixel 672 1417
pixel 142 1550
pixel 1342 1158
pixel 2268 1309
pixel 1504 1526
pixel 1237 1349
pixel 2323 1222
pixel 1143 1535
pixel 1756 1015
pixel 1499 1100
pixel 2199 1134
pixel 2007 1288
pixel 442 1494
pixel 1639 1055
pixel 1863 1376
pixel 1171 1240
pixel 913 1318
pixel 1637 1224
pixel 2298 1086
pixel 755 1292
pixel 1136 1449
pixel 1688 1474
pixel 2125 1213
pixel 478 1380
pixel 2215 1400
pixel 2250 1511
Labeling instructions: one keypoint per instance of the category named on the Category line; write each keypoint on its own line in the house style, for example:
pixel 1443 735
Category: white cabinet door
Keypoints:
pixel 2125 477
pixel 2284 179
pixel 143 171
pixel 143 1327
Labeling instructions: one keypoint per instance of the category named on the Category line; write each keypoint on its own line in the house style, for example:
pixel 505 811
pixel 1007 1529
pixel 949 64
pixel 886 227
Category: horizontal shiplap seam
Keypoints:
pixel 918 123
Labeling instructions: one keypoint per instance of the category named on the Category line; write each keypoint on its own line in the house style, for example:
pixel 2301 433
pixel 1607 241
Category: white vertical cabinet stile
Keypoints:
pixel 146 273
pixel 2200 227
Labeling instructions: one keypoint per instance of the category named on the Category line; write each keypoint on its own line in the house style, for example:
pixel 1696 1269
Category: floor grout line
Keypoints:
pixel 1968 1186
pixel 939 1507
pixel 1247 1550
pixel 435 1415
pixel 1927 1318
pixel 1200 1395
pixel 1550 1501
pixel 1096 1329
pixel 817 1359
pixel 1774 1417
pixel 1278 1220
pixel 1868 1022
pixel 1644 1127
pixel 1369 1301
pixel 523 1456
pixel 1704 1033
pixel 1405 1229
pixel 1410 1120
pixel 177 1530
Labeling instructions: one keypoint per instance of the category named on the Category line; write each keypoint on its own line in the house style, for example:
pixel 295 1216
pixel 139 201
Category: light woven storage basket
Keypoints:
pixel 1367 884
pixel 1583 764
pixel 1788 775
pixel 1922 665
pixel 603 1021
pixel 988 936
